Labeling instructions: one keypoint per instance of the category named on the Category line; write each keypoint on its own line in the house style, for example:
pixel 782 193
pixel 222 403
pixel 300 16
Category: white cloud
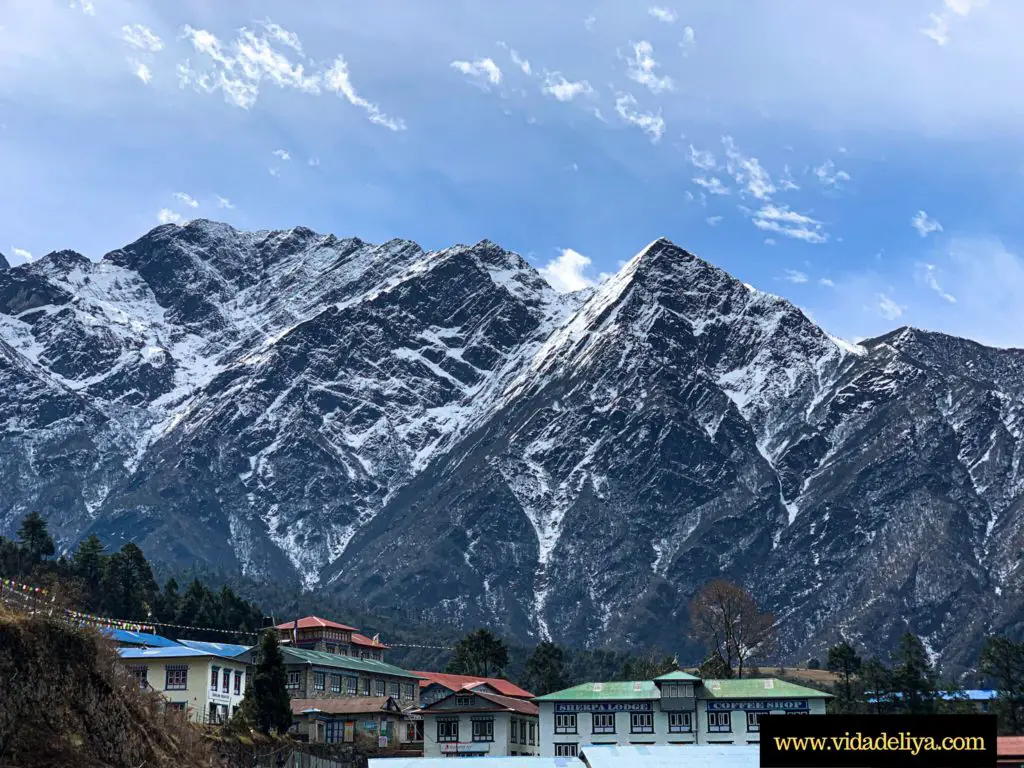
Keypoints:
pixel 141 37
pixel 566 273
pixel 924 225
pixel 688 37
pixel 888 308
pixel 188 200
pixel 642 66
pixel 926 273
pixel 141 71
pixel 485 68
pixel 167 216
pixel 275 172
pixel 661 13
pixel 651 124
pixel 769 241
pixel 938 23
pixel 21 253
pixel 564 90
pixel 85 6
pixel 826 282
pixel 282 153
pixel 829 176
pixel 520 62
pixel 714 221
pixel 589 22
pixel 702 159
pixel 314 161
pixel 794 276
pixel 713 185
pixel 789 223
pixel 282 35
pixel 937 29
pixel 747 171
pixel 786 183
pixel 223 202
pixel 337 79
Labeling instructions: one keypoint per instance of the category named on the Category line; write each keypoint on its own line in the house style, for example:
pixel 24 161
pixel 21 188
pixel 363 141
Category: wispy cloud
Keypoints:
pixel 481 68
pixel 21 253
pixel 141 37
pixel 714 221
pixel 781 220
pixel 282 153
pixel 713 185
pixel 786 183
pixel 314 161
pixel 826 283
pixel 650 123
pixel 794 276
pixel 927 274
pixel 588 23
pixel 888 308
pixel 167 216
pixel 282 35
pixel 829 176
pixel 702 159
pixel 747 171
pixel 924 224
pixel 223 202
pixel 187 199
pixel 939 23
pixel 141 71
pixel 337 79
pixel 567 272
pixel 661 13
pixel 642 66
pixel 85 6
pixel 518 60
pixel 557 86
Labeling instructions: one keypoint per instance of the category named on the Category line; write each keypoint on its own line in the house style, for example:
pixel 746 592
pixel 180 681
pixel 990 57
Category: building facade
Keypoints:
pixel 205 686
pixel 312 633
pixel 349 719
pixel 474 723
pixel 677 708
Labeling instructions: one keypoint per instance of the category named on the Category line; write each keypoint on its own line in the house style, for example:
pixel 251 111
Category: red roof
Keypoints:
pixel 502 703
pixel 343 705
pixel 461 682
pixel 1010 746
pixel 358 639
pixel 315 622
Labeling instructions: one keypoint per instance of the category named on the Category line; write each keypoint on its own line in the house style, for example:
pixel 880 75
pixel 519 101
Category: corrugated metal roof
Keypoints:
pixel 315 622
pixel 138 638
pixel 221 649
pixel 458 682
pixel 337 661
pixel 491 762
pixel 175 652
pixel 680 676
pixel 690 756
pixel 616 691
pixel 758 688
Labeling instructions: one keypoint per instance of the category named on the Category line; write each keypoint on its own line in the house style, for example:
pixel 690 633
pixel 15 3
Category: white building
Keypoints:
pixel 476 723
pixel 206 686
pixel 677 708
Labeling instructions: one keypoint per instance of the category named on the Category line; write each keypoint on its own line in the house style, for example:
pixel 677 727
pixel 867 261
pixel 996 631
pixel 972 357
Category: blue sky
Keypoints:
pixel 864 160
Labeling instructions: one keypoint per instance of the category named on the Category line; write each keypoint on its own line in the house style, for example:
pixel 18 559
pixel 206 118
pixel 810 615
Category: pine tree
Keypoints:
pixel 129 588
pixel 544 672
pixel 844 661
pixel 267 704
pixel 914 676
pixel 1002 660
pixel 480 653
pixel 87 564
pixel 35 537
pixel 879 686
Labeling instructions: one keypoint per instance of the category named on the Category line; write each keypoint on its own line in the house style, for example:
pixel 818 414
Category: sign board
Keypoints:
pixel 755 705
pixel 563 707
pixel 382 742
pixel 463 748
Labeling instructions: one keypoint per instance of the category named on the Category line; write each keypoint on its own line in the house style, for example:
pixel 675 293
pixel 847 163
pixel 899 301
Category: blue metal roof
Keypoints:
pixel 491 762
pixel 138 638
pixel 671 756
pixel 220 649
pixel 172 652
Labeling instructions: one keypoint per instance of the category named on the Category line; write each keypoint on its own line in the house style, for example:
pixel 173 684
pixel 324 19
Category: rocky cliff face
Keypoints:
pixel 443 431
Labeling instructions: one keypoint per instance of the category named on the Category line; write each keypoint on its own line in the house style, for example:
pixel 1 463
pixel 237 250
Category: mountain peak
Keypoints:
pixel 4 264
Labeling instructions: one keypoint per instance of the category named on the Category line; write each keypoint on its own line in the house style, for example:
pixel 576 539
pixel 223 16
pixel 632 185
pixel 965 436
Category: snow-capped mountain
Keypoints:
pixel 443 432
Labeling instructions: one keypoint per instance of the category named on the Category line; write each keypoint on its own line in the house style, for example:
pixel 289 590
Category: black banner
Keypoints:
pixel 878 741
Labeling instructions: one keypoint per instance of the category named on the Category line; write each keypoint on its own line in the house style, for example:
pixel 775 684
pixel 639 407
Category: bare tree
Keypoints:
pixel 726 618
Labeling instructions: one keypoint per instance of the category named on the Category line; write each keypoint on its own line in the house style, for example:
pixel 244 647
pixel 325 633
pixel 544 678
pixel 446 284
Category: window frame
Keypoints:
pixel 351 685
pixel 533 732
pixel 214 678
pixel 225 680
pixel 319 680
pixel 451 730
pixel 754 727
pixel 568 720
pixel 719 727
pixel 335 683
pixel 567 749
pixel 634 728
pixel 379 688
pixel 681 727
pixel 293 680
pixel 486 726
pixel 238 682
pixel 607 716
pixel 176 670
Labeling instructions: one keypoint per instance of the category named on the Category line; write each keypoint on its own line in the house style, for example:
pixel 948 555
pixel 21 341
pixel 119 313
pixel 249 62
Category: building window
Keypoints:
pixel 319 681
pixel 513 735
pixel 409 691
pixel 332 648
pixel 604 722
pixel 395 689
pixel 294 680
pixel 447 730
pixel 350 685
pixel 141 675
pixel 225 681
pixel 641 722
pixel 177 678
pixel 565 750
pixel 414 731
pixel 335 683
pixel 483 729
pixel 533 733
pixel 680 722
pixel 463 701
pixel 753 721
pixel 378 687
pixel 719 722
pixel 238 682
pixel 364 686
pixel 522 731
pixel 565 723
pixel 214 678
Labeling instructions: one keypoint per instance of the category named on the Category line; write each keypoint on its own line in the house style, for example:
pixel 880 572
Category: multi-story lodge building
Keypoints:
pixel 315 634
pixel 205 685
pixel 677 708
pixel 435 686
pixel 473 722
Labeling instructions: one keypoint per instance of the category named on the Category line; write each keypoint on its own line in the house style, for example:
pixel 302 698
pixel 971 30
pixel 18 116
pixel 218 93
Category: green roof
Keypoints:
pixel 756 688
pixel 678 675
pixel 624 691
pixel 336 660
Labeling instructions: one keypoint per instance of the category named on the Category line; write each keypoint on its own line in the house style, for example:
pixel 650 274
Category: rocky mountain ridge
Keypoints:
pixel 443 430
